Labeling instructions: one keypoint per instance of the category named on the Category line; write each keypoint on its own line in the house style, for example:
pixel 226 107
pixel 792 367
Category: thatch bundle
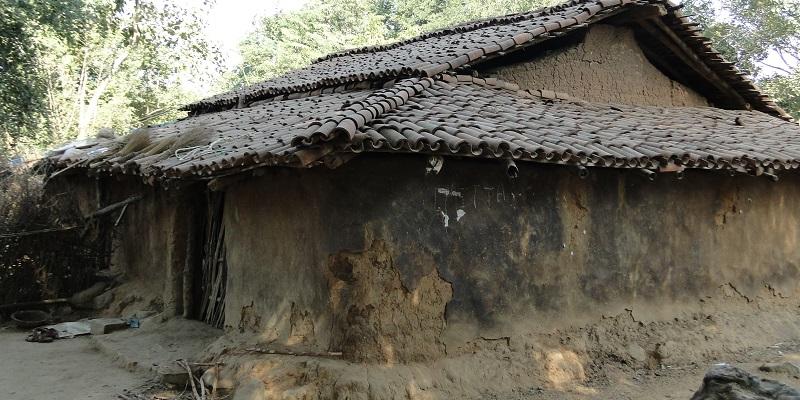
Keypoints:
pixel 134 142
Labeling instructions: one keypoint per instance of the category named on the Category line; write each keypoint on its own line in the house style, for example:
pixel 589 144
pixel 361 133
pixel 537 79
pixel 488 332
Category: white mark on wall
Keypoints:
pixel 435 164
pixel 501 194
pixel 448 192
pixel 450 198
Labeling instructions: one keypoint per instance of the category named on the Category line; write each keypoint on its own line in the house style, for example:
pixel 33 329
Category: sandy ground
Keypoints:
pixel 76 369
pixel 65 369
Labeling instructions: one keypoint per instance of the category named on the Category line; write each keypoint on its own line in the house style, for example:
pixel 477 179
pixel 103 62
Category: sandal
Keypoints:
pixel 42 335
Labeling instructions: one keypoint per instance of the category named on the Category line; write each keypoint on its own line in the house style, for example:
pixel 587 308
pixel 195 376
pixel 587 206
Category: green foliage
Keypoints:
pixel 292 40
pixel 405 18
pixel 21 87
pixel 288 41
pixel 69 67
pixel 761 37
pixel 78 65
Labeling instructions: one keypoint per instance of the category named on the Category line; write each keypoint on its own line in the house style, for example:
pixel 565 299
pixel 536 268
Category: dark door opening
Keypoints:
pixel 214 270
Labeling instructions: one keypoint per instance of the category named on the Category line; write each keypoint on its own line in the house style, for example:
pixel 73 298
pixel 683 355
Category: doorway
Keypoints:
pixel 213 267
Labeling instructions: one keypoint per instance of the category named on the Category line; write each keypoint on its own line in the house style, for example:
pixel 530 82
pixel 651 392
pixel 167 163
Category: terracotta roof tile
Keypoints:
pixel 426 55
pixel 457 115
pixel 436 52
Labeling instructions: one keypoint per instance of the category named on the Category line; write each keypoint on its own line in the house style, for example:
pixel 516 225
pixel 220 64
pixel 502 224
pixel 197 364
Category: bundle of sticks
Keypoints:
pixel 212 309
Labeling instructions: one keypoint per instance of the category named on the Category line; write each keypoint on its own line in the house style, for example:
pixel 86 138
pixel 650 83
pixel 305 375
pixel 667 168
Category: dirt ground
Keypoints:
pixel 75 369
pixel 618 383
pixel 677 382
pixel 64 369
pixel 613 358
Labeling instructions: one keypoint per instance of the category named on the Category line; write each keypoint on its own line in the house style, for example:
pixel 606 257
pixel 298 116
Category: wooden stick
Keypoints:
pixel 121 213
pixel 191 378
pixel 112 207
pixel 212 364
pixel 36 232
pixel 291 353
pixel 65 169
pixel 33 303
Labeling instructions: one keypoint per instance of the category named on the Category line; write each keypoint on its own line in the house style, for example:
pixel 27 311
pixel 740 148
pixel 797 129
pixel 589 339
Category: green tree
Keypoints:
pixel 406 18
pixel 22 89
pixel 287 41
pixel 761 37
pixel 78 65
pixel 292 40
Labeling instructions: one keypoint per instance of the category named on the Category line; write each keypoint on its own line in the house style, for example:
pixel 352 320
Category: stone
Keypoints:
pixel 103 300
pixel 102 326
pixel 84 298
pixel 636 352
pixel 781 368
pixel 173 375
pixel 726 382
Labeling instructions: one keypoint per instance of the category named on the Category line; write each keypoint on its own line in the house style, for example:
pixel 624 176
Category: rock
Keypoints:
pixel 636 352
pixel 103 300
pixel 83 299
pixel 251 389
pixel 102 326
pixel 173 375
pixel 108 275
pixel 726 382
pixel 781 368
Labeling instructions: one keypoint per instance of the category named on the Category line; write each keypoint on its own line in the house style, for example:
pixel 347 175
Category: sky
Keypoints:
pixel 231 20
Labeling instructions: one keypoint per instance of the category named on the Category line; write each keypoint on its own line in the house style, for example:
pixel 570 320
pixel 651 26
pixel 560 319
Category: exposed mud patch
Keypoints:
pixel 249 321
pixel 378 319
pixel 302 327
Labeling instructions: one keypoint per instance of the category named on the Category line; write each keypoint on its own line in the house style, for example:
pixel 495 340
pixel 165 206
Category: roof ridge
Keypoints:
pixel 459 28
pixel 358 114
pixel 593 8
pixel 336 69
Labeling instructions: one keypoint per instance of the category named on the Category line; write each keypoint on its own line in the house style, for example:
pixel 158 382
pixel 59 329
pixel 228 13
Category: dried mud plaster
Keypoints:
pixel 607 67
pixel 376 318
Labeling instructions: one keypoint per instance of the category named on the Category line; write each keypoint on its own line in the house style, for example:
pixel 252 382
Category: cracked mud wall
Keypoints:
pixel 299 280
pixel 607 67
pixel 313 252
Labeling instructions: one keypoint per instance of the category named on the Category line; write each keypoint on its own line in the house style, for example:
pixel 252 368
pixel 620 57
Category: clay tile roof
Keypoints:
pixel 436 52
pixel 450 115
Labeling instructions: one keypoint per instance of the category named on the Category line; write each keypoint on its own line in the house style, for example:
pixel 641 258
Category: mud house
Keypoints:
pixel 398 203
